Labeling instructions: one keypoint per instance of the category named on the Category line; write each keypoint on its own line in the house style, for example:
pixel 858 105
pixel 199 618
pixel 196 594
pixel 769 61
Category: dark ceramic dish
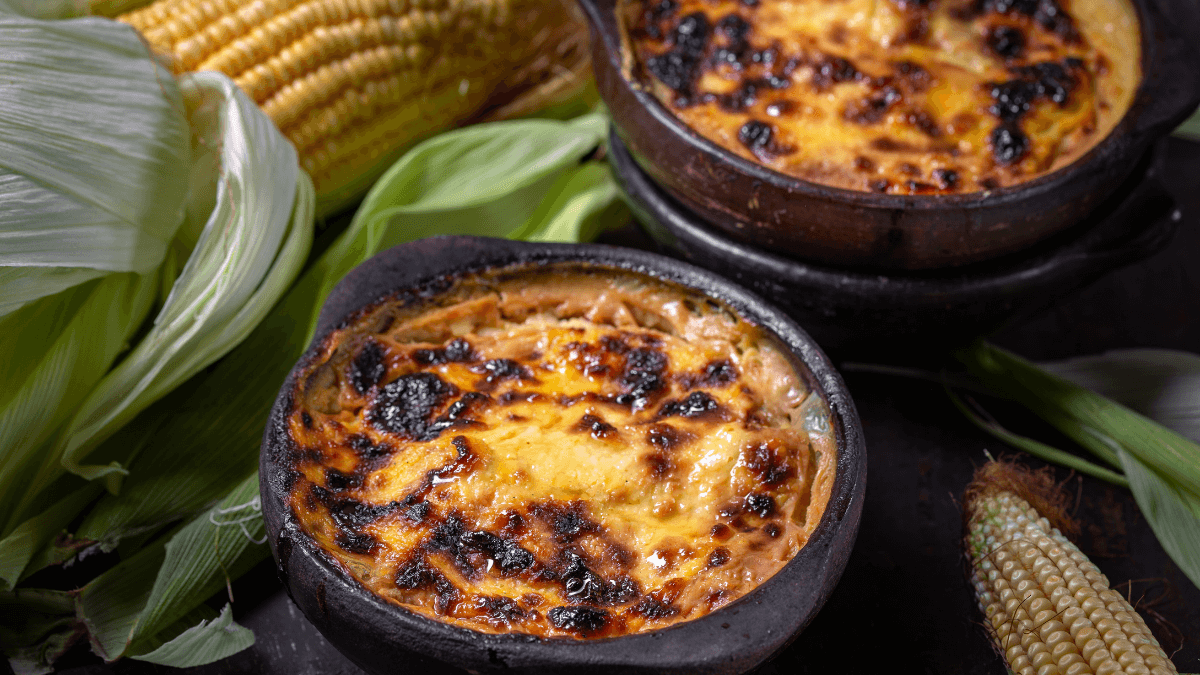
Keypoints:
pixel 772 211
pixel 908 315
pixel 385 638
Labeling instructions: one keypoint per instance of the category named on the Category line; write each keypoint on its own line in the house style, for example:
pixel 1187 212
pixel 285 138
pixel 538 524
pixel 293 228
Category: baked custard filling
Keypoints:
pixel 893 96
pixel 568 450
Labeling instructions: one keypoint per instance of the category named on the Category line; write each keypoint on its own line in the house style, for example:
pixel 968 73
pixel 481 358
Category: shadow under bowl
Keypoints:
pixel 382 637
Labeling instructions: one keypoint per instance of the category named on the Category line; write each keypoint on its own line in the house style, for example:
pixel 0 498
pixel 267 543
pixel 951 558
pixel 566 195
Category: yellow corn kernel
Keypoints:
pixel 1063 617
pixel 353 82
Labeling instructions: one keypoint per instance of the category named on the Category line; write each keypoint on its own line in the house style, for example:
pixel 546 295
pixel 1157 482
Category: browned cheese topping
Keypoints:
pixel 893 96
pixel 567 451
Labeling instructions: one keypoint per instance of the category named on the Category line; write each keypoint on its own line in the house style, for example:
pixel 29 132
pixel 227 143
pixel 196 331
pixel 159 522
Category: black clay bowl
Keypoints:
pixel 382 637
pixel 804 220
pixel 914 315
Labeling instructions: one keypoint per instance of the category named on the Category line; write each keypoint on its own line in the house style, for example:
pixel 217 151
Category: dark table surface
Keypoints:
pixel 903 604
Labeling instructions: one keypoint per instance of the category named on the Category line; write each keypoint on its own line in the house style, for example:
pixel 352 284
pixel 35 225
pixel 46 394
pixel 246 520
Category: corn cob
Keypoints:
pixel 353 82
pixel 1048 609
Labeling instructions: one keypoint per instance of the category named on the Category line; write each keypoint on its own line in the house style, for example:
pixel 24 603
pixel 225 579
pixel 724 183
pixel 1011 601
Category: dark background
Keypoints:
pixel 903 603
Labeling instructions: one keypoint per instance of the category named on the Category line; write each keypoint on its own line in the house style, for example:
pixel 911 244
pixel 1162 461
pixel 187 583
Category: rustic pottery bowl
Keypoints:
pixel 385 638
pixel 751 204
pixel 908 316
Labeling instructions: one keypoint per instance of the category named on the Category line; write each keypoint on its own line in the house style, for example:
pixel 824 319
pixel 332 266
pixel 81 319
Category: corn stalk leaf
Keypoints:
pixel 1190 128
pixel 35 534
pixel 489 179
pixel 1088 418
pixel 204 643
pixel 36 627
pixel 1161 384
pixel 1172 512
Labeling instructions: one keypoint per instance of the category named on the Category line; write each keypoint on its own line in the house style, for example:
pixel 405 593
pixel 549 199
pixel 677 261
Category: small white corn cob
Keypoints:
pixel 1049 609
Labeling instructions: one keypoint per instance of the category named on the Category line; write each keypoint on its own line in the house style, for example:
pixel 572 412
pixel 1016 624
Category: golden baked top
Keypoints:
pixel 565 451
pixel 895 96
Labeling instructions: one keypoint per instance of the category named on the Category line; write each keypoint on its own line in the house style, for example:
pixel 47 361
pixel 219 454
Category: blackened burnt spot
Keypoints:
pixel 691 35
pixel 1011 100
pixel 720 532
pixel 913 75
pixel 1009 143
pixel 306 420
pixel 355 542
pixel 656 13
pixel 568 521
pixel 652 607
pixel 660 464
pixel 641 377
pixel 760 505
pixel 456 414
pixel 498 370
pixel 365 449
pixel 597 427
pixel 1049 14
pixel 1053 81
pixel 718 557
pixel 719 373
pixel 734 28
pixel 872 109
pixel 502 609
pixel 772 530
pixel 579 619
pixel 666 437
pixel 833 70
pixel 415 510
pixel 924 121
pixel 416 574
pixel 1006 42
pixel 582 585
pixel 679 68
pixel 767 463
pixel 405 405
pixel 947 179
pixel 457 350
pixel 697 404
pixel 506 553
pixel 368 368
pixel 756 135
pixel 336 480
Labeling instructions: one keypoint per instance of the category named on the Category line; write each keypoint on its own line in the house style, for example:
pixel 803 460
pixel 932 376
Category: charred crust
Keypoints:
pixel 947 179
pixel 653 607
pixel 772 530
pixel 336 480
pixel 1007 42
pixel 718 557
pixel 306 420
pixel 498 370
pixel 355 542
pixel 697 404
pixel 368 367
pixel 767 462
pixel 567 521
pixel 761 505
pixel 833 70
pixel 720 532
pixel 1009 143
pixel 679 68
pixel 660 464
pixel 457 350
pixel 581 619
pixel 666 437
pixel 405 406
pixel 597 427
pixel 641 377
pixel 872 109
